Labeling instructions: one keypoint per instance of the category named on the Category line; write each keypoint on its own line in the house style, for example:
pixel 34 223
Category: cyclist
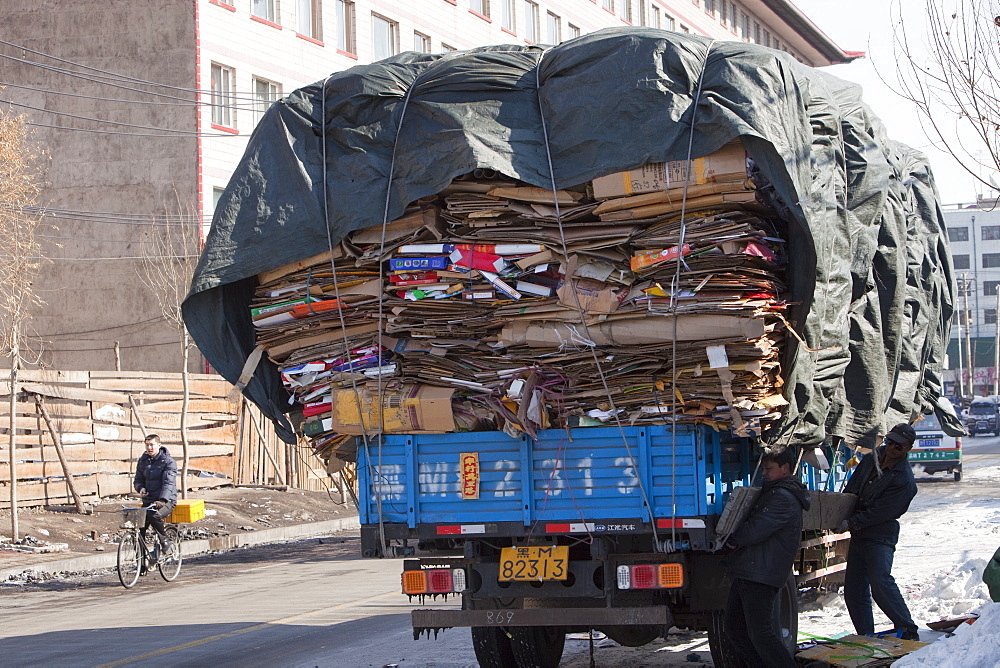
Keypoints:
pixel 155 480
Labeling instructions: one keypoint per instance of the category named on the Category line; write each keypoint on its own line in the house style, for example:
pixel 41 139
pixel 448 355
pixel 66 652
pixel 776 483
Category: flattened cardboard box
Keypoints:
pixel 414 408
pixel 728 160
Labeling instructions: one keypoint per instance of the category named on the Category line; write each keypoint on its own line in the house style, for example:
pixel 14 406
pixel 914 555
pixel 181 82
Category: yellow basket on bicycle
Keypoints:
pixel 133 518
pixel 187 510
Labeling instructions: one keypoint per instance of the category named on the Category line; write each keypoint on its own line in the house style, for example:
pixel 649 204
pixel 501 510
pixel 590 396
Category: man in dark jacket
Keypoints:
pixel 765 546
pixel 884 485
pixel 155 479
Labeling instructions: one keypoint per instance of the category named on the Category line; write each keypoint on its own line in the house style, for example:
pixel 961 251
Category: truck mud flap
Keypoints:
pixel 433 620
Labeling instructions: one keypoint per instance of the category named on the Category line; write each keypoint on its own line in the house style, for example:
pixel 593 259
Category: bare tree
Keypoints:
pixel 169 255
pixel 20 185
pixel 953 79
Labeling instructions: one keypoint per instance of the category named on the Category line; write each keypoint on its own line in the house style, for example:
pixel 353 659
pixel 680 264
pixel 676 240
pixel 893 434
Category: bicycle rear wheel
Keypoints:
pixel 169 564
pixel 129 559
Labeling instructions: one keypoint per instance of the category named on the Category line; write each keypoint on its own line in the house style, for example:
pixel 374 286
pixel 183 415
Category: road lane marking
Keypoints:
pixel 249 629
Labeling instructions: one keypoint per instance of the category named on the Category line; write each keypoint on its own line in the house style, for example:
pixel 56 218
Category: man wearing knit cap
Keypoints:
pixel 884 485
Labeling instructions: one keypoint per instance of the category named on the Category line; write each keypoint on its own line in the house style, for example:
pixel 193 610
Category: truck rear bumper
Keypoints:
pixel 429 620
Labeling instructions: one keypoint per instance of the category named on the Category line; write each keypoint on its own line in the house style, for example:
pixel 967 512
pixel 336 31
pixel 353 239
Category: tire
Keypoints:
pixel 492 647
pixel 787 612
pixel 958 475
pixel 169 563
pixel 537 646
pixel 129 559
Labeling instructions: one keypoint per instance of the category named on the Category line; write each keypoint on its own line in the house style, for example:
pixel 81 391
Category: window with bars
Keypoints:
pixel 958 234
pixel 265 9
pixel 223 112
pixel 265 93
pixel 530 21
pixel 345 26
pixel 385 37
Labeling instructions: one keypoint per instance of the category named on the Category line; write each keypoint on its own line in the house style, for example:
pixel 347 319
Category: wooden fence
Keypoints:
pixel 99 417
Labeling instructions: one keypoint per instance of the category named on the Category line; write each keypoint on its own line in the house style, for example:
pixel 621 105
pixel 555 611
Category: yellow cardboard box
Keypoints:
pixel 187 510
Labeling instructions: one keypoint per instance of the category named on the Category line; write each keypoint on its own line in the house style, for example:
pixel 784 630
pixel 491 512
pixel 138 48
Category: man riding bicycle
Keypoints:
pixel 155 481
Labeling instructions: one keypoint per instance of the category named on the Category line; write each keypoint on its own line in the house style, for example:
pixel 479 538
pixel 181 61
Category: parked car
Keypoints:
pixel 934 451
pixel 983 417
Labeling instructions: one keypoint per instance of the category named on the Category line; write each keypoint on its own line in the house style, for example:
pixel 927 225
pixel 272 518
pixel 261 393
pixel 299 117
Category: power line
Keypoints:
pixel 138 134
pixel 249 107
pixel 97 120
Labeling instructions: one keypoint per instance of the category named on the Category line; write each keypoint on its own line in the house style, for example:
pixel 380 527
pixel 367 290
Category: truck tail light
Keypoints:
pixel 650 576
pixel 434 581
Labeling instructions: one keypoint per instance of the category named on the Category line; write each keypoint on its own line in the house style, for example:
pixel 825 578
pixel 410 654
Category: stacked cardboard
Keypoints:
pixel 497 305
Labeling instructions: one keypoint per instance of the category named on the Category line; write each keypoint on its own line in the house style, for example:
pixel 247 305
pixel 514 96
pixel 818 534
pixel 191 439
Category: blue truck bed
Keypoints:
pixel 586 475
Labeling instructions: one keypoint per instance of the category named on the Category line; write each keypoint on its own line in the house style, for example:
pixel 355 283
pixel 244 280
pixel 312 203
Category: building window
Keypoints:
pixel 654 17
pixel 732 16
pixel 958 234
pixel 990 288
pixel 507 15
pixel 960 261
pixel 264 9
pixel 222 96
pixel 447 47
pixel 744 26
pixel 480 6
pixel 685 29
pixel 991 260
pixel 421 42
pixel 608 5
pixel 216 196
pixel 265 93
pixel 990 316
pixel 310 23
pixel 756 33
pixel 384 37
pixel 574 31
pixel 767 38
pixel 710 7
pixel 530 21
pixel 624 8
pixel 552 28
pixel 990 232
pixel 669 23
pixel 345 26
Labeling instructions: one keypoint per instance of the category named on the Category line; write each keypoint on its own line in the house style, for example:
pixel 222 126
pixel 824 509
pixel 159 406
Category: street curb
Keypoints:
pixel 191 548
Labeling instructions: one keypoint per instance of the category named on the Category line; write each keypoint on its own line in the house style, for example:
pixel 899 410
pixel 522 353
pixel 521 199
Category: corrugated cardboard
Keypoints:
pixel 730 160
pixel 411 409
pixel 626 332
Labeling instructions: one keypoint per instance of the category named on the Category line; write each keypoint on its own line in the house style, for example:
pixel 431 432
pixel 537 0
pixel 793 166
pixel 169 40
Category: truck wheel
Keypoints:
pixel 492 647
pixel 537 646
pixel 787 611
pixel 958 475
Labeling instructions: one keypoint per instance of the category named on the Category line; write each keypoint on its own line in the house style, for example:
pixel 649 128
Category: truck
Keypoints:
pixel 616 527
pixel 609 529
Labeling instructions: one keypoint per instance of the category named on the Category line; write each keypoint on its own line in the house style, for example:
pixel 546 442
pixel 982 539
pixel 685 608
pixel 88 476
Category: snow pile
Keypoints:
pixel 949 592
pixel 975 644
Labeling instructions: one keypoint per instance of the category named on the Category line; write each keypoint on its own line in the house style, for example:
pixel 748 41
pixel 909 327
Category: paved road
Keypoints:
pixel 981 445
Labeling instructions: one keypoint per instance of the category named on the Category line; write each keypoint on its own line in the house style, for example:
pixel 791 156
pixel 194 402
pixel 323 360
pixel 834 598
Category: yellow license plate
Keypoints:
pixel 534 563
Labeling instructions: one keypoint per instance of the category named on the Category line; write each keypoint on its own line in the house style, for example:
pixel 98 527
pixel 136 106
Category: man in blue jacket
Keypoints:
pixel 155 480
pixel 765 546
pixel 884 485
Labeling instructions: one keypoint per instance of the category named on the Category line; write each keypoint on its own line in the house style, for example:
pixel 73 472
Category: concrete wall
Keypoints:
pixel 92 294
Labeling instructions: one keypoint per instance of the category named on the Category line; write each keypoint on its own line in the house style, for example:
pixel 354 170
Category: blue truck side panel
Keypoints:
pixel 592 473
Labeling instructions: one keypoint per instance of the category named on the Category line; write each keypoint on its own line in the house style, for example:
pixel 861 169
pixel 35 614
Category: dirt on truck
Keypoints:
pixel 553 302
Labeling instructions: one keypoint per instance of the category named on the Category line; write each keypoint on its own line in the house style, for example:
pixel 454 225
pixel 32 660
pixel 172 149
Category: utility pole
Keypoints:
pixel 969 364
pixel 996 346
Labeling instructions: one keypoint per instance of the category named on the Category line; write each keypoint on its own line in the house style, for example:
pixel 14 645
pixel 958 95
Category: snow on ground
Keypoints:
pixel 948 536
pixel 977 644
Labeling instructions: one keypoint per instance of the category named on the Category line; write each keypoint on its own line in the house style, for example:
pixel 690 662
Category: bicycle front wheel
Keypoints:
pixel 129 559
pixel 169 564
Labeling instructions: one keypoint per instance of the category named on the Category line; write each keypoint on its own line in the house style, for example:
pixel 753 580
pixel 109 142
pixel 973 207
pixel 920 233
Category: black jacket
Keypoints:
pixel 882 499
pixel 158 474
pixel 768 540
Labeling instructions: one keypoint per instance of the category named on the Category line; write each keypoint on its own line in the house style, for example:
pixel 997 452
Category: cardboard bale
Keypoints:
pixel 728 163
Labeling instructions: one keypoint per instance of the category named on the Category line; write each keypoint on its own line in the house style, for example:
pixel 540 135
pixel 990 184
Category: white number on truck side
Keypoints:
pixel 506 486
pixel 554 483
pixel 499 617
pixel 433 479
pixel 631 480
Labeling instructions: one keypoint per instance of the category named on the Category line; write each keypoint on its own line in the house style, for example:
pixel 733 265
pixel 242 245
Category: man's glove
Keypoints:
pixel 844 527
pixel 159 504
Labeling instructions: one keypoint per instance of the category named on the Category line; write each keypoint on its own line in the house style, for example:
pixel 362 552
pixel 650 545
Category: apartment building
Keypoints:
pixel 145 108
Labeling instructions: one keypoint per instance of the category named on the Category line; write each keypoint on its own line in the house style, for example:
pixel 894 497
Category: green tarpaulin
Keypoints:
pixel 870 275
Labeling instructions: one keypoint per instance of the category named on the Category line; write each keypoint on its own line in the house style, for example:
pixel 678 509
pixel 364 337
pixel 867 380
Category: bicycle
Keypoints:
pixel 135 557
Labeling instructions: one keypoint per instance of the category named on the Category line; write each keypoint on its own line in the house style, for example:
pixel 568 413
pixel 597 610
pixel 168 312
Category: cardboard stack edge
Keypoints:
pixel 495 305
